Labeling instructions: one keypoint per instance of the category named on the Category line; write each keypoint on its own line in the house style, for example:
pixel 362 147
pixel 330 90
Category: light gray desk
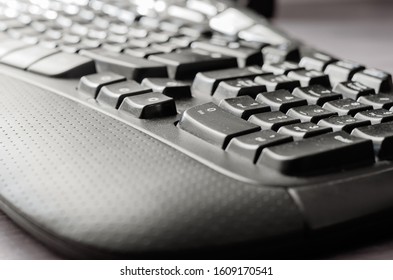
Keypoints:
pixel 361 32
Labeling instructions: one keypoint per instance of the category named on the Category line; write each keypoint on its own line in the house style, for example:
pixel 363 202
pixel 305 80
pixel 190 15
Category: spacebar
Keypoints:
pixel 333 151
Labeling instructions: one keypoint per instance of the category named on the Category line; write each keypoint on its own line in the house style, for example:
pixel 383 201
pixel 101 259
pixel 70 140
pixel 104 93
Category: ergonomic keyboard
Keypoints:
pixel 135 128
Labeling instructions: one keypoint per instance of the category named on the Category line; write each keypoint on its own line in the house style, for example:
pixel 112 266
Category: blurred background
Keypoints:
pixel 360 30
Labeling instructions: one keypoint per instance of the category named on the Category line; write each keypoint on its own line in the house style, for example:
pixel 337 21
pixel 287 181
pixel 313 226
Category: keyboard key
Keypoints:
pixel 378 101
pixel 280 100
pixel 238 87
pixel 91 84
pixel 206 7
pixel 281 53
pixel 310 113
pixel 343 123
pixel 263 34
pixel 303 130
pixel 64 65
pixel 186 14
pixel 382 137
pixel 375 116
pixel 276 82
pixel 186 64
pixel 142 52
pixel 308 78
pixel 281 68
pixel 206 83
pixel 243 106
pixel 272 120
pixel 168 87
pixel 114 94
pixel 214 125
pixel 316 94
pixel 230 22
pixel 245 56
pixel 353 90
pixel 149 105
pixel 346 107
pixel 378 80
pixel 131 67
pixel 165 47
pixel 333 151
pixel 251 145
pixel 316 61
pixel 342 71
pixel 182 41
pixel 196 30
pixel 25 57
pixel 10 45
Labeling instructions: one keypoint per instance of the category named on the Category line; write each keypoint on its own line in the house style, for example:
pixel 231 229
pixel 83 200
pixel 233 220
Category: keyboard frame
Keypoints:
pixel 325 200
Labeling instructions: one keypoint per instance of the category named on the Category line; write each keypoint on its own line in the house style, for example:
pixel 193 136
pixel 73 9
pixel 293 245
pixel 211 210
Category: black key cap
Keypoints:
pixel 25 57
pixel 333 151
pixel 149 105
pixel 182 41
pixel 252 44
pixel 10 45
pixel 343 123
pixel 261 33
pixel 353 90
pixel 141 43
pixel 186 64
pixel 245 56
pixel 114 94
pixel 224 22
pixel 382 137
pixel 310 113
pixel 276 82
pixel 91 84
pixel 303 130
pixel 378 80
pixel 214 125
pixel 280 53
pixel 280 100
pixel 75 48
pixel 238 87
pixel 114 47
pixel 251 145
pixel 160 37
pixel 375 116
pixel 169 87
pixel 142 52
pixel 63 65
pixel 378 101
pixel 206 82
pixel 310 77
pixel 316 94
pixel 196 30
pixel 132 67
pixel 243 106
pixel 281 68
pixel 342 71
pixel 316 61
pixel 165 47
pixel 346 107
pixel 272 120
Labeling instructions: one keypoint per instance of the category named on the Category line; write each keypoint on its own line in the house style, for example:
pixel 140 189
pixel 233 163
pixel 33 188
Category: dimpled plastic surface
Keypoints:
pixel 82 176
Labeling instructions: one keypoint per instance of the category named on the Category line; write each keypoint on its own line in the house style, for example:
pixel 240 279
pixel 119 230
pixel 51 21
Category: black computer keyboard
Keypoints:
pixel 219 84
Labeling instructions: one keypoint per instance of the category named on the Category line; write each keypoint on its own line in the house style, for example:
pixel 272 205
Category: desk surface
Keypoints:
pixel 360 32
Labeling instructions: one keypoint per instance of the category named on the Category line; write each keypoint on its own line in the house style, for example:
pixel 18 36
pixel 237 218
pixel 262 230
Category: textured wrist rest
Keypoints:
pixel 85 179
